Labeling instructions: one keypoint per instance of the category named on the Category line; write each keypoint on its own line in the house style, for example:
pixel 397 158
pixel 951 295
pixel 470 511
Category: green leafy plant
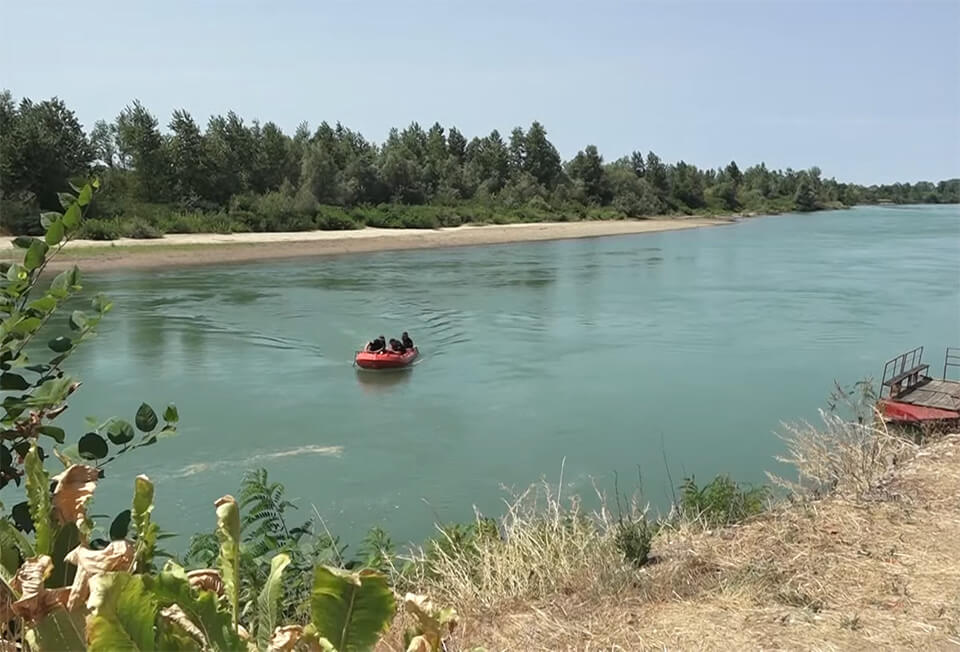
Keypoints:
pixel 721 501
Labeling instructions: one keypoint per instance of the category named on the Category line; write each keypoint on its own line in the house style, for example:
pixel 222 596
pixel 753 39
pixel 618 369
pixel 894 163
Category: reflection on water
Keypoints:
pixel 383 381
pixel 608 352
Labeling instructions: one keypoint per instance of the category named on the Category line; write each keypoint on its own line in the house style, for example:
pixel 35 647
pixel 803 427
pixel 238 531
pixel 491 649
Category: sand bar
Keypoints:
pixel 175 250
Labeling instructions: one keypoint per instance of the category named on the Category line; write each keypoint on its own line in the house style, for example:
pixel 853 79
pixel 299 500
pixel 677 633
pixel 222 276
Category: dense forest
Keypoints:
pixel 237 176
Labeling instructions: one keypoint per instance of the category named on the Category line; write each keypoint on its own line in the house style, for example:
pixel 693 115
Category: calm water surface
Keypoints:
pixel 607 352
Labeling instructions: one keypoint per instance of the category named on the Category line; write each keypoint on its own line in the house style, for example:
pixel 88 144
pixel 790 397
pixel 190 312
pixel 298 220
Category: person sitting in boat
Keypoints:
pixel 397 346
pixel 405 339
pixel 378 344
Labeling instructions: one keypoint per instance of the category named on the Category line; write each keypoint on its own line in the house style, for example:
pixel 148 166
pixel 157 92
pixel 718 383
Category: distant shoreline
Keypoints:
pixel 184 250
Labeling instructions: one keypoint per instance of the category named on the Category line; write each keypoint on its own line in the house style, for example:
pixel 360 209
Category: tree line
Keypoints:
pixel 231 175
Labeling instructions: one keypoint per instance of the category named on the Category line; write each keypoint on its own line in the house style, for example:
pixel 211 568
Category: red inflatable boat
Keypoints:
pixel 385 359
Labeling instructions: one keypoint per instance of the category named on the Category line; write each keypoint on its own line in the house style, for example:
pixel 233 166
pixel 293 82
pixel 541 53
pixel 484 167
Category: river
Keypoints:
pixel 612 354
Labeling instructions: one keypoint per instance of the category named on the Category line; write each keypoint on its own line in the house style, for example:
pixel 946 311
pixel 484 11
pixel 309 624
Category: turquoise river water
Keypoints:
pixel 608 353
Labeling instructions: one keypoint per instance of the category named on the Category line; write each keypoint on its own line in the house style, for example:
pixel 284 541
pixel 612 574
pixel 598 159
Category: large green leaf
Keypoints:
pixel 52 392
pixel 78 320
pixel 92 447
pixel 146 418
pixel 44 304
pixel 55 233
pixel 10 381
pixel 26 326
pixel 38 499
pixel 85 194
pixel 202 607
pixel 68 538
pixel 123 613
pixel 57 434
pixel 269 599
pixel 49 217
pixel 66 198
pixel 59 630
pixel 35 255
pixel 13 546
pixel 60 344
pixel 350 609
pixel 120 526
pixel 65 282
pixel 119 431
pixel 145 528
pixel 71 217
pixel 228 534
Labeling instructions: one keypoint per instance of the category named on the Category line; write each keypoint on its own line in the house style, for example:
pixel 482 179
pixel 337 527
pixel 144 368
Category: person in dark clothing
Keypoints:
pixel 397 346
pixel 378 344
pixel 407 342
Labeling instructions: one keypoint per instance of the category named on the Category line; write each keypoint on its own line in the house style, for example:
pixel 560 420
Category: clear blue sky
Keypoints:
pixel 869 91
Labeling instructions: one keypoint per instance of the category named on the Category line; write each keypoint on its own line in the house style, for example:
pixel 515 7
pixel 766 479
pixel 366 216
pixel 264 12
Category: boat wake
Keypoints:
pixel 209 467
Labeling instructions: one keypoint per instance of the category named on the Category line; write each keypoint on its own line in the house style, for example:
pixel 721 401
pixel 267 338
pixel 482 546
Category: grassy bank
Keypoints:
pixel 860 554
pixel 857 550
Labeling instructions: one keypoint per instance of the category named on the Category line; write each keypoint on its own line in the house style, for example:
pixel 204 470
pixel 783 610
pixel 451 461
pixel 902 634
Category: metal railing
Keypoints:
pixel 951 359
pixel 907 367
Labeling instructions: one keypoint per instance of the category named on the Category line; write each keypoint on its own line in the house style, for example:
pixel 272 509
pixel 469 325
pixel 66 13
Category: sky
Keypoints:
pixel 868 91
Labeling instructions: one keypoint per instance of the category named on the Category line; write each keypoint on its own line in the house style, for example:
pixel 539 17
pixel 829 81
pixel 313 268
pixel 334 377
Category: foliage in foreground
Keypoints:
pixel 65 589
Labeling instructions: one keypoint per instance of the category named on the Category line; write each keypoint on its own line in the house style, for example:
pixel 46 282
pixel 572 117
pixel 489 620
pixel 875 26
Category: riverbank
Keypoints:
pixel 870 566
pixel 176 250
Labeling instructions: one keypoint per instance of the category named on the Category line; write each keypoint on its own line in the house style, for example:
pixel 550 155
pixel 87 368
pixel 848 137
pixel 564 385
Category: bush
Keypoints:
pixel 141 230
pixel 334 218
pixel 100 230
pixel 720 502
pixel 202 223
pixel 633 539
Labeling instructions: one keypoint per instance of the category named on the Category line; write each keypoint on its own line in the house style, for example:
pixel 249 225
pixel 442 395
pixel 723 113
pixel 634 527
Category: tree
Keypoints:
pixel 141 148
pixel 456 144
pixel 656 174
pixel 103 141
pixel 518 151
pixel 541 158
pixel 686 185
pixel 638 164
pixel 487 163
pixel 229 152
pixel 734 175
pixel 41 146
pixel 587 167
pixel 805 197
pixel 186 149
pixel 273 165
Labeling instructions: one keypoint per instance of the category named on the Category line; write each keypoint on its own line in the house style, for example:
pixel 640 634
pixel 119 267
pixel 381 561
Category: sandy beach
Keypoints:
pixel 209 248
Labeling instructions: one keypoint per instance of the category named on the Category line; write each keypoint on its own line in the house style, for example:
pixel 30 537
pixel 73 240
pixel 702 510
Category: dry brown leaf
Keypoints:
pixel 206 579
pixel 36 601
pixel 75 486
pixel 175 614
pixel 118 556
pixel 419 644
pixel 285 638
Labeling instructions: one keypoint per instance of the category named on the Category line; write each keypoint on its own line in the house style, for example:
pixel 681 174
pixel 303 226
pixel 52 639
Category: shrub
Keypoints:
pixel 633 538
pixel 334 218
pixel 140 229
pixel 721 501
pixel 100 230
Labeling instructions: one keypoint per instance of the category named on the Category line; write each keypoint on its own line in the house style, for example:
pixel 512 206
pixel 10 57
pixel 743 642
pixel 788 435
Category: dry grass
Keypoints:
pixel 873 564
pixel 547 546
pixel 841 458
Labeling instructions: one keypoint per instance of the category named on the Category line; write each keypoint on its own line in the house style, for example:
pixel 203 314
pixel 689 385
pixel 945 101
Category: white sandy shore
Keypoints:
pixel 212 248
